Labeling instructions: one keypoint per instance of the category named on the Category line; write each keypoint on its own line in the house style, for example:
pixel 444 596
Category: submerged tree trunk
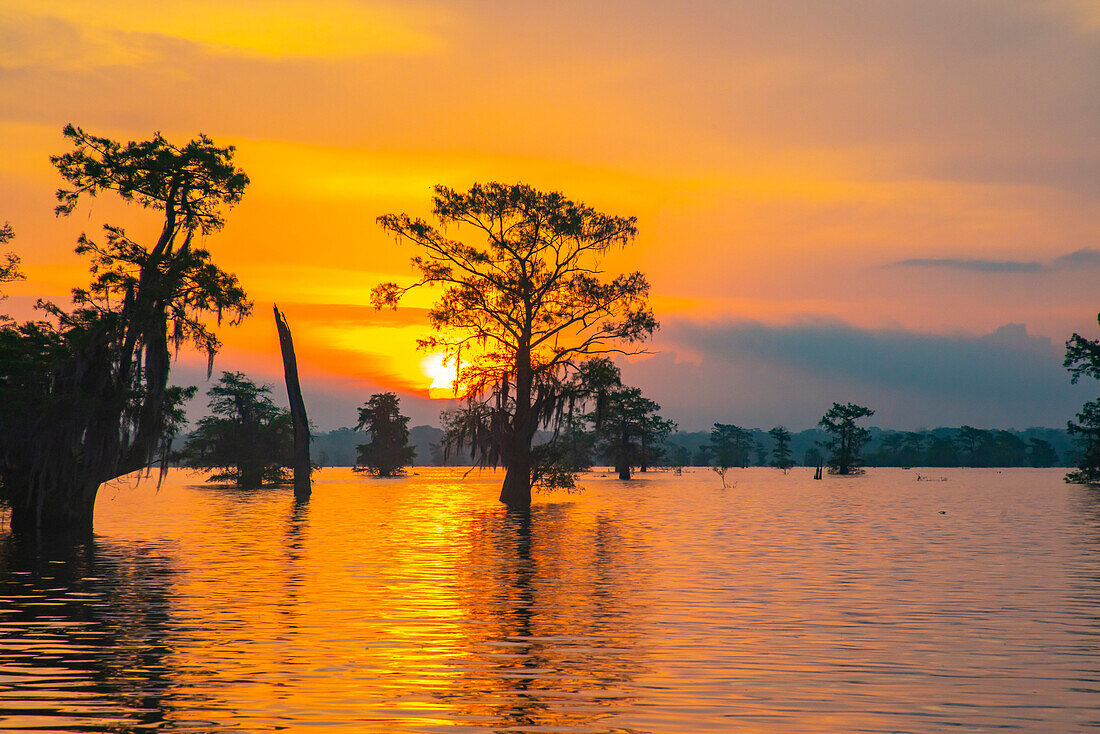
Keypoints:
pixel 61 509
pixel 302 467
pixel 623 465
pixel 516 491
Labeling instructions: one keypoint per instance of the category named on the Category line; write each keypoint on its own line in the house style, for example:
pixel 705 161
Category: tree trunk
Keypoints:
pixel 302 467
pixel 624 456
pixel 516 492
pixel 58 512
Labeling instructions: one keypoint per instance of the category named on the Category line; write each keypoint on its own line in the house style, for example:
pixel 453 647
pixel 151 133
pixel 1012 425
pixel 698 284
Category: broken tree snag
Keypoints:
pixel 297 409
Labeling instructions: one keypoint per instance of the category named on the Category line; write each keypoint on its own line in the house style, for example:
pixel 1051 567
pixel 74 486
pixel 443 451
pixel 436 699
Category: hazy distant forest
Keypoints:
pixel 939 447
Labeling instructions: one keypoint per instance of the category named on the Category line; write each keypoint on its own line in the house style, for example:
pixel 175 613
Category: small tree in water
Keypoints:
pixel 1083 360
pixel 630 432
pixel 525 307
pixel 84 397
pixel 781 452
pixel 730 446
pixel 248 440
pixel 846 438
pixel 388 451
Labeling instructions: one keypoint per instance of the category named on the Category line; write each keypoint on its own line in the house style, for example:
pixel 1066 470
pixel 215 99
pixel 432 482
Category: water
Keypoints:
pixel 668 604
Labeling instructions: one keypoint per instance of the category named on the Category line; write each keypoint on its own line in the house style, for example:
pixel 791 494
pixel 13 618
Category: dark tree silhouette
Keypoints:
pixel 247 441
pixel 730 446
pixel 1086 432
pixel 524 307
pixel 388 452
pixel 1041 454
pixel 813 457
pixel 846 438
pixel 781 452
pixel 678 457
pixel 1082 357
pixel 86 395
pixel 630 432
pixel 703 456
pixel 1083 360
pixel 761 452
pixel 9 267
pixel 303 467
pixel 941 452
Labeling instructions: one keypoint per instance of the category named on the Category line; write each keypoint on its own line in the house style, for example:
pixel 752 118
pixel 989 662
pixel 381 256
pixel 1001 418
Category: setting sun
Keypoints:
pixel 442 375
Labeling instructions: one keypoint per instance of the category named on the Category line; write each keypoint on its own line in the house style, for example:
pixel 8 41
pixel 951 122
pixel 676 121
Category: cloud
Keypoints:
pixel 1086 257
pixel 758 374
pixel 71 34
pixel 983 266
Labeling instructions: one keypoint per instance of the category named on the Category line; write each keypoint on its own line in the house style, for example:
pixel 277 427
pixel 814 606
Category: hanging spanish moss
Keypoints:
pixel 86 394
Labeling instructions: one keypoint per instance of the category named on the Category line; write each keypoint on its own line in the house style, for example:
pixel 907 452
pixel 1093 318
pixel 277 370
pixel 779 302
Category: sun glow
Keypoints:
pixel 443 374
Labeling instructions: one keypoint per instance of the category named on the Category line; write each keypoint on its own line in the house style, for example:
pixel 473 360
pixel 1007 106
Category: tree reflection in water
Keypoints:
pixel 84 635
pixel 553 637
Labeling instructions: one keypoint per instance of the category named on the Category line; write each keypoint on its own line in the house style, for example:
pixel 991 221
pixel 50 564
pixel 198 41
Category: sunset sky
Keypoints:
pixel 893 203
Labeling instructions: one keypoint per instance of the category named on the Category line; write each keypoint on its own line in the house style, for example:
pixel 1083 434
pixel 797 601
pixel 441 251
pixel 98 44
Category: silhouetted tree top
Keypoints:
pixel 9 271
pixel 9 261
pixel 629 430
pixel 192 184
pixel 731 445
pixel 781 453
pixel 1082 357
pixel 846 438
pixel 523 303
pixel 533 283
pixel 388 451
pixel 247 439
pixel 92 400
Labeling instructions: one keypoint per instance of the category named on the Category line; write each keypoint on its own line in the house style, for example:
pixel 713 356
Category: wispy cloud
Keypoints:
pixel 78 33
pixel 1086 257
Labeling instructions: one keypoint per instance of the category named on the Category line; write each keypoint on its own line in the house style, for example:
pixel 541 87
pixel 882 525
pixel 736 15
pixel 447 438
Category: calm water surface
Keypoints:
pixel 666 604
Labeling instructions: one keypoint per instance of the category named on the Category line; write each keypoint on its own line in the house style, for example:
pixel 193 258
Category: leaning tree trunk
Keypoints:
pixel 302 467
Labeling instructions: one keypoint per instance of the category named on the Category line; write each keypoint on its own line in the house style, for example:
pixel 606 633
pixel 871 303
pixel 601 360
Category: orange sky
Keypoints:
pixel 906 170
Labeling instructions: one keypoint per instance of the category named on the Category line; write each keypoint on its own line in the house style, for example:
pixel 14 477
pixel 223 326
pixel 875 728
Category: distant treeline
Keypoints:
pixel 940 447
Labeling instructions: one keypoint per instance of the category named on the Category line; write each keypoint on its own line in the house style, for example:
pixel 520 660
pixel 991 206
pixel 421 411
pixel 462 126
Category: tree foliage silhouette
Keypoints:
pixel 1083 360
pixel 522 306
pixel 730 446
pixel 846 439
pixel 781 452
pixel 388 451
pixel 87 398
pixel 1041 454
pixel 9 268
pixel 247 440
pixel 630 432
